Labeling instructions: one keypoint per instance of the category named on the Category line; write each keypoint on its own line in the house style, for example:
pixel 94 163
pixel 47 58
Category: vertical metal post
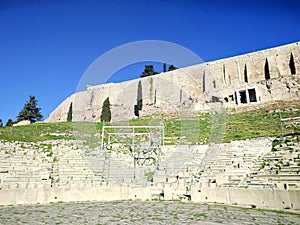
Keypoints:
pixel 133 140
pixel 133 151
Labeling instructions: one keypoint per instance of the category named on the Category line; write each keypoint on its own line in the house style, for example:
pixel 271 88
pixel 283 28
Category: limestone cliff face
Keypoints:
pixel 61 112
pixel 254 78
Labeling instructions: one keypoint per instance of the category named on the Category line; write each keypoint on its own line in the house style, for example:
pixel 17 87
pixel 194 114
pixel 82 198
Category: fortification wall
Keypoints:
pixel 253 78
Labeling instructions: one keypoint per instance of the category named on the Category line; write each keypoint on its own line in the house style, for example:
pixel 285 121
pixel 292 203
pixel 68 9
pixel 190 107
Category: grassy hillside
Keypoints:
pixel 201 129
pixel 48 131
pixel 37 132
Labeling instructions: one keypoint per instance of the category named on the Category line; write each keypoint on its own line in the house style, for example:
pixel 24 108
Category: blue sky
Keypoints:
pixel 46 46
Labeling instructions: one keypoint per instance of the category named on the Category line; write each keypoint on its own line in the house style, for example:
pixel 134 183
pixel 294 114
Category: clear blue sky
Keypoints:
pixel 46 46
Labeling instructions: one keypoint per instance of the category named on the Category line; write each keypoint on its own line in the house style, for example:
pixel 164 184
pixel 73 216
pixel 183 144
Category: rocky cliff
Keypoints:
pixel 254 78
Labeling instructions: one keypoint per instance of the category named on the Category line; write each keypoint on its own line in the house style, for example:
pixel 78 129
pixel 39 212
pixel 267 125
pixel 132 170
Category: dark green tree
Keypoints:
pixel 1 123
pixel 9 123
pixel 30 111
pixel 292 65
pixel 70 113
pixel 171 67
pixel 148 71
pixel 139 100
pixel 165 68
pixel 106 113
pixel 267 70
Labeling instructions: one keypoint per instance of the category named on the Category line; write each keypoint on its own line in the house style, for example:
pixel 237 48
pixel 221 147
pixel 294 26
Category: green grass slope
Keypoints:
pixel 200 129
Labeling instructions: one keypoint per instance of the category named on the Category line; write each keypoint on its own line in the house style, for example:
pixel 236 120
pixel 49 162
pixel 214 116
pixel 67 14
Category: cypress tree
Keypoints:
pixel 245 74
pixel 267 71
pixel 139 99
pixel 292 65
pixel 70 113
pixel 106 113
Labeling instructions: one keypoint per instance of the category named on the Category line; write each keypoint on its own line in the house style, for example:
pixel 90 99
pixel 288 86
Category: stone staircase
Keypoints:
pixel 179 164
pixel 231 163
pixel 239 163
pixel 71 169
pixel 210 156
pixel 52 164
pixel 280 167
pixel 24 165
pixel 118 168
pixel 48 164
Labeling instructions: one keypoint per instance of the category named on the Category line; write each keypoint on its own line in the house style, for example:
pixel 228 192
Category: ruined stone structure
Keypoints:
pixel 242 173
pixel 261 172
pixel 253 78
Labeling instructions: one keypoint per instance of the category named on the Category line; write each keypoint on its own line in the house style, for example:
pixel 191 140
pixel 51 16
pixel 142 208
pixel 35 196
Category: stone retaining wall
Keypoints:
pixel 44 196
pixel 260 198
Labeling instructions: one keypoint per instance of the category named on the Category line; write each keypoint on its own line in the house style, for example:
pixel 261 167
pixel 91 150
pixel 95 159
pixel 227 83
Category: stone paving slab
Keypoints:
pixel 138 212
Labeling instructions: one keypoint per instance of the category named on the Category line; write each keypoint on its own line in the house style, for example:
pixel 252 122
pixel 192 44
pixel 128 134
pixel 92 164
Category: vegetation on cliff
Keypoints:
pixel 148 71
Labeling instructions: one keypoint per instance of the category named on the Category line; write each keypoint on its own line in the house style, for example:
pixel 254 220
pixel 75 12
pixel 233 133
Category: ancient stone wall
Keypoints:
pixel 261 198
pixel 270 199
pixel 253 78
